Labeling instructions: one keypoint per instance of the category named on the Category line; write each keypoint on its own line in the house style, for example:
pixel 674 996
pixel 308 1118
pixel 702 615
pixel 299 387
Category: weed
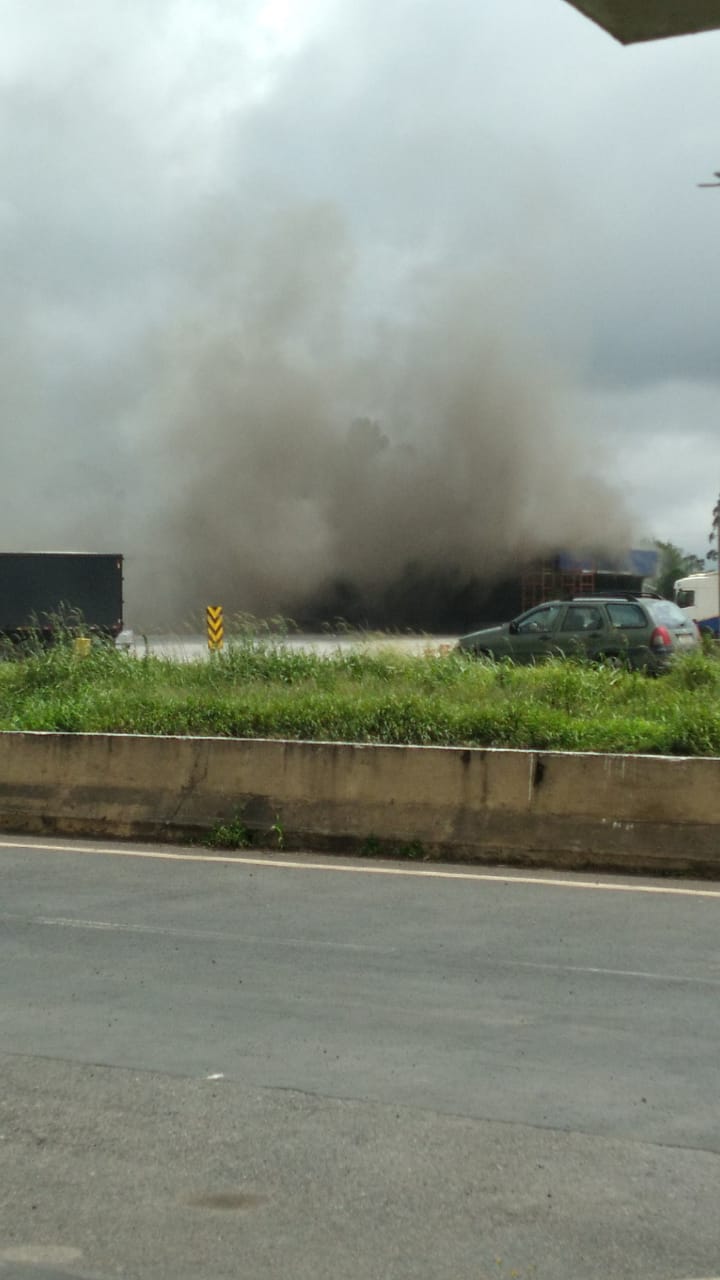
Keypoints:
pixel 371 847
pixel 278 831
pixel 414 850
pixel 229 835
pixel 709 642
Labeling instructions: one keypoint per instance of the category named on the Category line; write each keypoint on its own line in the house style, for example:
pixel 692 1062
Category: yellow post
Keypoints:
pixel 82 646
pixel 215 629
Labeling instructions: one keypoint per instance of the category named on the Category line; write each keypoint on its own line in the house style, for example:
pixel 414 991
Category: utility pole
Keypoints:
pixel 715 531
pixel 715 537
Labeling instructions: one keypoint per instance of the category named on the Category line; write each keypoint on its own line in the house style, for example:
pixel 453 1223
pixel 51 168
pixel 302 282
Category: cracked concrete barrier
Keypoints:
pixel 483 805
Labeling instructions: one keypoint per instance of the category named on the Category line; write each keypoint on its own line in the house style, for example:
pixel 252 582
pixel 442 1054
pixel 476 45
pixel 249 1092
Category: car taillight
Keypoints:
pixel 660 638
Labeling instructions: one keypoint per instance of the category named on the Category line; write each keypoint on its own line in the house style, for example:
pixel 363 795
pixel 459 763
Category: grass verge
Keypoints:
pixel 267 689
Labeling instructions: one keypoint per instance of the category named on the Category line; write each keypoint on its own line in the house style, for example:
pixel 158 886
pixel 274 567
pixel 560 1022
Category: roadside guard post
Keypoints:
pixel 215 629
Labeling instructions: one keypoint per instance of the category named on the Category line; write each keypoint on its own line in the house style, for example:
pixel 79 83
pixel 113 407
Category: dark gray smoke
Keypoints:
pixel 278 443
pixel 315 458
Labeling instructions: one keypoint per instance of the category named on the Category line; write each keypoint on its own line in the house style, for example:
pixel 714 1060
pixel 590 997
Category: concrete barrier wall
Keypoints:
pixel 546 808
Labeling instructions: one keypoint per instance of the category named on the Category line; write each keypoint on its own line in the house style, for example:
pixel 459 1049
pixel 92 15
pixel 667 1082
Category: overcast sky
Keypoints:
pixel 175 173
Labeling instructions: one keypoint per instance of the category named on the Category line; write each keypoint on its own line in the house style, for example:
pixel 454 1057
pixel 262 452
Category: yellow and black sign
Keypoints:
pixel 215 629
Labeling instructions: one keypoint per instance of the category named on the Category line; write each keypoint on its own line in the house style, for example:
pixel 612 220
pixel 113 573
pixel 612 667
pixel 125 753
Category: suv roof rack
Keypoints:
pixel 618 595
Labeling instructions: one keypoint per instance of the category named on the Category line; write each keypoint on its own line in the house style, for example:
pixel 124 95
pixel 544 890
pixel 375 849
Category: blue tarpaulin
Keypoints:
pixel 643 563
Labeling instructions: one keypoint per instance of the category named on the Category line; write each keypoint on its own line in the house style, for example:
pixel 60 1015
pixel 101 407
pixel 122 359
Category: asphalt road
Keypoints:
pixel 251 1068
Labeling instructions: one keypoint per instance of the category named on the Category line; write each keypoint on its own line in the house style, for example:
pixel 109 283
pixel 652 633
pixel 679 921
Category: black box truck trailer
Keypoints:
pixel 40 590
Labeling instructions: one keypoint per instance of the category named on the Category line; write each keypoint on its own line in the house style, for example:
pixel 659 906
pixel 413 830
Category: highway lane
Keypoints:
pixel 521 1029
pixel 190 647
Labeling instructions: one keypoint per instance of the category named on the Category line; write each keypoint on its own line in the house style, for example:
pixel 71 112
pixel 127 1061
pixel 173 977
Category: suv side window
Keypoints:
pixel 542 619
pixel 626 616
pixel 581 617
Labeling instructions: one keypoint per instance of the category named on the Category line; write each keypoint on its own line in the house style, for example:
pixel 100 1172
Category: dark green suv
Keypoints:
pixel 641 631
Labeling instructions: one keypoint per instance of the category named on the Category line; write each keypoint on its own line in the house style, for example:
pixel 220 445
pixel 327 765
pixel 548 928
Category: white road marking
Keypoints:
pixel 612 973
pixel 172 931
pixel 253 940
pixel 41 1255
pixel 422 873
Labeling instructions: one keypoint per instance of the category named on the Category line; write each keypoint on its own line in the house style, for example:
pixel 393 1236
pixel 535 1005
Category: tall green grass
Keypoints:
pixel 270 689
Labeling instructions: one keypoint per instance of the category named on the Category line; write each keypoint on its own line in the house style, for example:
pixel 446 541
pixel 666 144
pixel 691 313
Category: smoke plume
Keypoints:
pixel 312 459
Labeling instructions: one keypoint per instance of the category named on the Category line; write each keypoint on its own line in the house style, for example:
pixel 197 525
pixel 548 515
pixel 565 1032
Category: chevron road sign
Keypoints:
pixel 215 629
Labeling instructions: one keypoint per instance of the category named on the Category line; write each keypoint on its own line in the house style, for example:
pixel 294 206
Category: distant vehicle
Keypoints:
pixel 40 589
pixel 697 596
pixel 642 632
